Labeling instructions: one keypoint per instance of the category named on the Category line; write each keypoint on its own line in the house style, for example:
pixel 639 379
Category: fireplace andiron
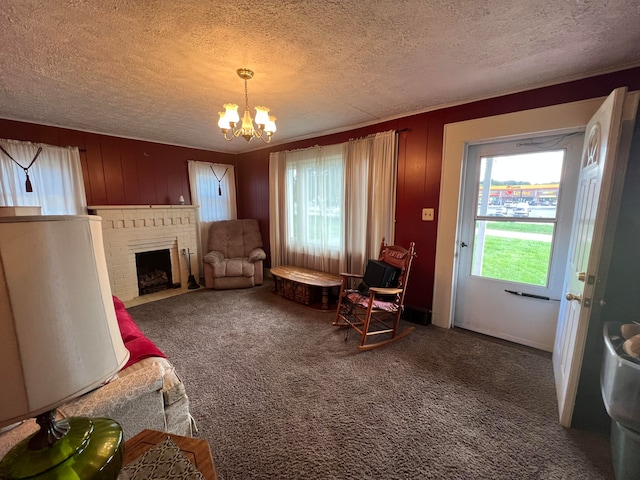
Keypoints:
pixel 193 284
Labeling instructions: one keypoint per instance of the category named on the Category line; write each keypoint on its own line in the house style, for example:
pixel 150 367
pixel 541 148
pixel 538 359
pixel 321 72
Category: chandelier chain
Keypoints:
pixel 246 95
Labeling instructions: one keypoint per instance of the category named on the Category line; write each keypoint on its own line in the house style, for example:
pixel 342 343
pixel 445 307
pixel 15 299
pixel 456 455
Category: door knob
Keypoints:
pixel 582 276
pixel 571 296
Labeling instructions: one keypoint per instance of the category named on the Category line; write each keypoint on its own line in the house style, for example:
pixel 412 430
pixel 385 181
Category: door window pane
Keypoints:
pixel 520 186
pixel 513 251
pixel 516 216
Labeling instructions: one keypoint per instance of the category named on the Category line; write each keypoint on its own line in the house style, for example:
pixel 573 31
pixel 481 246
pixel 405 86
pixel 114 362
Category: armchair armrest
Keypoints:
pixel 257 254
pixel 172 386
pixel 103 402
pixel 213 257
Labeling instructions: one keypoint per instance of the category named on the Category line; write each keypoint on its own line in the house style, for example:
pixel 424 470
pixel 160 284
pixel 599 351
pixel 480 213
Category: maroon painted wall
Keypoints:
pixel 131 172
pixel 121 171
pixel 420 165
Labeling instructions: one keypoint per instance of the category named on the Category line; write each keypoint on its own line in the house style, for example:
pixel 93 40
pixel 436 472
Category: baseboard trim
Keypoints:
pixel 416 315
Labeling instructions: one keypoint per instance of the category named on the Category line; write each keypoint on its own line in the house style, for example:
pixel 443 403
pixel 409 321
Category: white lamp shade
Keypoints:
pixel 59 336
pixel 262 115
pixel 270 127
pixel 231 113
pixel 223 123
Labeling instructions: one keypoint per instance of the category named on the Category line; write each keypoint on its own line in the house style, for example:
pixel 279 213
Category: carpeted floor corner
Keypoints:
pixel 279 394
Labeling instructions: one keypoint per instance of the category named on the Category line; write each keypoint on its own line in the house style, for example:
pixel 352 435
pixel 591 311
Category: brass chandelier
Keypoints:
pixel 229 119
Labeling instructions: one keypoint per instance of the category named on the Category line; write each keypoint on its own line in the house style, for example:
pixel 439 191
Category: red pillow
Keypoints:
pixel 394 257
pixel 137 343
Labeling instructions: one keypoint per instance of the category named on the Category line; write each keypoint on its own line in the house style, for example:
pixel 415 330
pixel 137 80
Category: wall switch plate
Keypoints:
pixel 427 214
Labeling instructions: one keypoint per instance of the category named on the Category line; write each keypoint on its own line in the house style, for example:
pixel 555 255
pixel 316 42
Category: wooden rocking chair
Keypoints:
pixel 374 312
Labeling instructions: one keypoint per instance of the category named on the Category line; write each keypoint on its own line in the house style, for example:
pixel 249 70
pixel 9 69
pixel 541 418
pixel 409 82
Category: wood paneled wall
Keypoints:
pixel 119 171
pixel 122 171
pixel 420 165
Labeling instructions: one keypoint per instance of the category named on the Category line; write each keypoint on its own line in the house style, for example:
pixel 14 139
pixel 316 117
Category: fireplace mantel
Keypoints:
pixel 131 229
pixel 137 207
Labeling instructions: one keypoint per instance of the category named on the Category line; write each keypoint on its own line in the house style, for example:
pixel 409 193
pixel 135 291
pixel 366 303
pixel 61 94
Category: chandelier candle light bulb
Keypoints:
pixel 229 119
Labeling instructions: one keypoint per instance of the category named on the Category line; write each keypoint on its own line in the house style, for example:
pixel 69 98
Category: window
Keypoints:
pixel 55 176
pixel 324 212
pixel 516 216
pixel 213 189
pixel 314 193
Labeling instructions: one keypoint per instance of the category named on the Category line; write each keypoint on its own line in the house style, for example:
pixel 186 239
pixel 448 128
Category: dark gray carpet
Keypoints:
pixel 279 394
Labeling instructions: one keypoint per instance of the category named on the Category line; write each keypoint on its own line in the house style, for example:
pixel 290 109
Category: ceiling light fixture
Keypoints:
pixel 230 118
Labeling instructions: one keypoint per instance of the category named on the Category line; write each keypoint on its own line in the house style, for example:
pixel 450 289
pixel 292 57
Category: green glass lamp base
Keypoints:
pixel 91 449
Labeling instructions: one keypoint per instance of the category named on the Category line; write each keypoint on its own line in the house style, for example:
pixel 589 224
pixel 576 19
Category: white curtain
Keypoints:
pixel 383 180
pixel 277 208
pixel 56 178
pixel 331 206
pixel 370 202
pixel 213 189
pixel 314 189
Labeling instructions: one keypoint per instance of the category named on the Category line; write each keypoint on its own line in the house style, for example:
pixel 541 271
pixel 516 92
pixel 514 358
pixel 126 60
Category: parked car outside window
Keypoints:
pixel 521 210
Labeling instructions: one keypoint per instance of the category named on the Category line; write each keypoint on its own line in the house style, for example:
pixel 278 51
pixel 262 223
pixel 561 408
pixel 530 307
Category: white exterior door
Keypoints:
pixel 603 165
pixel 514 236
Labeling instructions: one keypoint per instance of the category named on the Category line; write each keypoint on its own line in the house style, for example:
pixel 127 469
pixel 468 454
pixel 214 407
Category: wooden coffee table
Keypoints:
pixel 300 284
pixel 195 449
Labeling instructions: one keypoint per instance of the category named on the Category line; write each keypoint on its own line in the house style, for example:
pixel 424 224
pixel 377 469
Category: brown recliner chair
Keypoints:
pixel 235 255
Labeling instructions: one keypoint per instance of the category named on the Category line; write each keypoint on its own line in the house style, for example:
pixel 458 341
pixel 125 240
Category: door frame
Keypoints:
pixel 535 326
pixel 457 136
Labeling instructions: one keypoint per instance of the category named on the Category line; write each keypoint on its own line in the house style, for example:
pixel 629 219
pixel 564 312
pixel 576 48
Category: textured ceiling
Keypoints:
pixel 161 70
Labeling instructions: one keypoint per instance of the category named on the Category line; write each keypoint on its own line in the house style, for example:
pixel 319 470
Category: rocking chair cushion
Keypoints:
pixel 357 298
pixel 394 257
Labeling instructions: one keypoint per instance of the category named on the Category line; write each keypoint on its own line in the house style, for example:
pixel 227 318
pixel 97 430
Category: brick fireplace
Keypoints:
pixel 128 230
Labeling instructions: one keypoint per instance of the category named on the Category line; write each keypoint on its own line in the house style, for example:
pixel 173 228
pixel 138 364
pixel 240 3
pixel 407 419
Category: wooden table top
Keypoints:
pixel 195 449
pixel 306 276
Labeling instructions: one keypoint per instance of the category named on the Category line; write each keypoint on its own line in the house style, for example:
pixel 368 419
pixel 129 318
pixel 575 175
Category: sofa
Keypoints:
pixel 234 257
pixel 145 393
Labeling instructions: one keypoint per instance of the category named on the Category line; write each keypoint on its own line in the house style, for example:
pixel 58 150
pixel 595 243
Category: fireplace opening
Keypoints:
pixel 154 271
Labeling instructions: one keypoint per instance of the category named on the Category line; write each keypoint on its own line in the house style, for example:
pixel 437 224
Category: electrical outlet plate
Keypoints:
pixel 427 214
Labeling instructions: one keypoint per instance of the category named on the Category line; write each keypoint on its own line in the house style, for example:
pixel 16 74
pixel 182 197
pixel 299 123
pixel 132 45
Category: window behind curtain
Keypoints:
pixel 56 177
pixel 330 206
pixel 314 186
pixel 213 189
